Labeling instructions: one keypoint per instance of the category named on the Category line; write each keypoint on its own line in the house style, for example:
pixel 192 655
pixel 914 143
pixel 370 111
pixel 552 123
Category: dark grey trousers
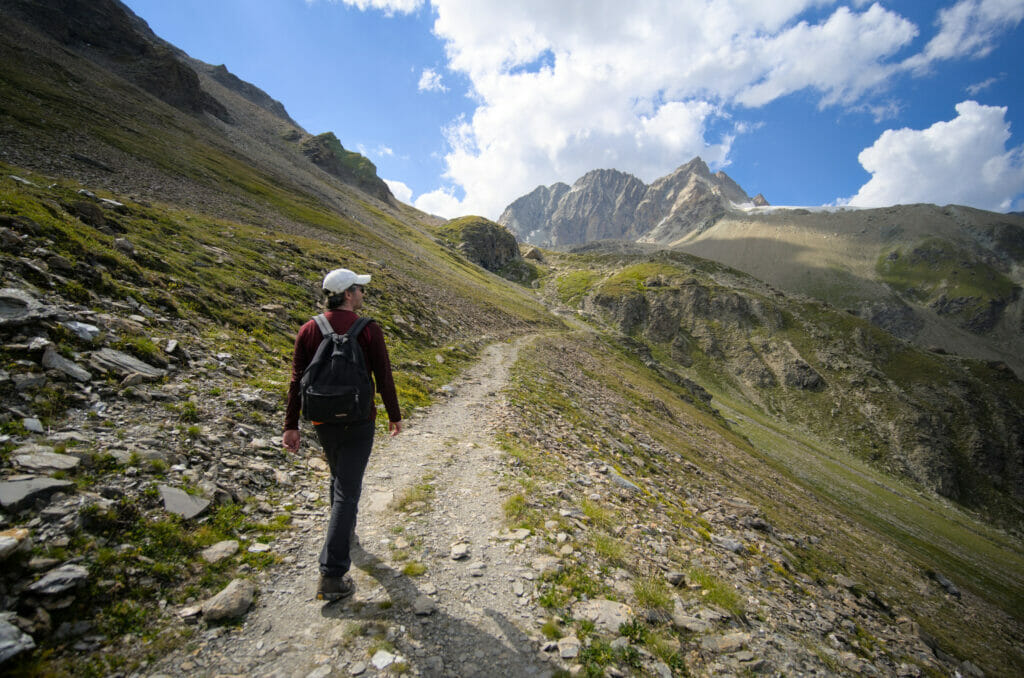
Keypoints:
pixel 348 450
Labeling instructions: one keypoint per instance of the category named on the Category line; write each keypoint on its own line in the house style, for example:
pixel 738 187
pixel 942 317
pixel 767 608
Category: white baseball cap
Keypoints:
pixel 340 279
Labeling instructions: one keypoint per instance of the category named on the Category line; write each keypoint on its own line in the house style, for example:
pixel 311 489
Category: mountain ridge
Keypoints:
pixel 610 204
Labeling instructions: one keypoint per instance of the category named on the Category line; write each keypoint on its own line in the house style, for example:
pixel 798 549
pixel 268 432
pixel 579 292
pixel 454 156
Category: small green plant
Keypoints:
pixel 610 548
pixel 599 515
pixel 666 648
pixel 188 411
pixel 653 593
pixel 552 629
pixel 417 496
pixel 717 591
pixel 414 569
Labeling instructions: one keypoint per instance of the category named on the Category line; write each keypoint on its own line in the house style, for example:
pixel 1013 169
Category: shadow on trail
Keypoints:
pixel 447 646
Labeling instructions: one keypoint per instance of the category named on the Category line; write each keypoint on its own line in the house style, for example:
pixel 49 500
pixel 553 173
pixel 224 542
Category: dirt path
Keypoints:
pixel 463 617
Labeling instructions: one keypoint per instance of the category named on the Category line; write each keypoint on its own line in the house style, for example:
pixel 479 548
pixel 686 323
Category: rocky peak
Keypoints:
pixel 608 203
pixel 531 209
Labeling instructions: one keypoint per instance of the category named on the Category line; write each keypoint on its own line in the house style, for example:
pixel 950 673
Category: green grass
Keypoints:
pixel 717 591
pixel 938 266
pixel 653 593
pixel 415 497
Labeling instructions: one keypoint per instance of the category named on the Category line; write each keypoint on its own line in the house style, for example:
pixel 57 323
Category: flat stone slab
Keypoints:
pixel 620 481
pixel 62 579
pixel 220 551
pixel 44 460
pixel 110 360
pixel 607 615
pixel 728 643
pixel 17 494
pixel 52 360
pixel 182 503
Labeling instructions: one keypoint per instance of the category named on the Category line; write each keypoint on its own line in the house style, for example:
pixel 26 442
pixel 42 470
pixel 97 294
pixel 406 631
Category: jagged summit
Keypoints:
pixel 610 204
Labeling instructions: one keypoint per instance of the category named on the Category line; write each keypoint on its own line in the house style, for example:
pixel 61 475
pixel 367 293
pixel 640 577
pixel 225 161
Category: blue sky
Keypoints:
pixel 465 105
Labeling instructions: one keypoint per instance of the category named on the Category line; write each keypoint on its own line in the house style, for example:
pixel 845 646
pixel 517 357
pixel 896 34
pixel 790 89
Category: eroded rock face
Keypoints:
pixel 483 242
pixel 609 204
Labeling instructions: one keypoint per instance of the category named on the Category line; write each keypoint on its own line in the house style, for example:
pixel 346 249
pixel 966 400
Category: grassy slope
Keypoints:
pixel 854 506
pixel 870 527
pixel 839 258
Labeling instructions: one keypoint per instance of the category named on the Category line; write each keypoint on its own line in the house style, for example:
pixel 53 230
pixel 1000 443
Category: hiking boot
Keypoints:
pixel 333 588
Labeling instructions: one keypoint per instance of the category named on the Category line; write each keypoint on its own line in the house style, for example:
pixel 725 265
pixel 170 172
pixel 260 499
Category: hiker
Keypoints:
pixel 346 445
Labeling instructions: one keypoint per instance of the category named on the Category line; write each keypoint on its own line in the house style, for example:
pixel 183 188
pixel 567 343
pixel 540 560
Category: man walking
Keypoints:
pixel 347 446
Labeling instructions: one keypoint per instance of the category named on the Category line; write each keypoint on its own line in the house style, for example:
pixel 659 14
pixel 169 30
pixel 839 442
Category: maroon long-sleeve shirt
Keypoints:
pixel 371 339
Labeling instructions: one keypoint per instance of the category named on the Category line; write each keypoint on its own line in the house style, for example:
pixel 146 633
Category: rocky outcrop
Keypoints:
pixel 327 153
pixel 482 241
pixel 609 204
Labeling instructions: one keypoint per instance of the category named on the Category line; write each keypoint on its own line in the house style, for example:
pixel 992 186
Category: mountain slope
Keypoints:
pixel 947 277
pixel 155 261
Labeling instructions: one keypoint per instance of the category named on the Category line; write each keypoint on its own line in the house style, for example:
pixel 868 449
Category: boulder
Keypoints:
pixel 232 602
pixel 18 307
pixel 13 541
pixel 220 551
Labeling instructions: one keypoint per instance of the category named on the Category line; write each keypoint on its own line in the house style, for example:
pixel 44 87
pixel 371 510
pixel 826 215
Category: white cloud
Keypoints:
pixel 969 28
pixel 389 7
pixel 962 161
pixel 441 202
pixel 981 86
pixel 566 87
pixel 430 81
pixel 399 190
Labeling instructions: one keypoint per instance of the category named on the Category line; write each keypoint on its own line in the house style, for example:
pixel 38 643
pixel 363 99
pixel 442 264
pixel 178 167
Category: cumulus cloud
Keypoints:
pixel 560 88
pixel 399 190
pixel 441 202
pixel 962 161
pixel 639 87
pixel 430 81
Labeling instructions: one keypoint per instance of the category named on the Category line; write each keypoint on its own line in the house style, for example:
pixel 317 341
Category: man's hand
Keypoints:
pixel 291 440
pixel 395 427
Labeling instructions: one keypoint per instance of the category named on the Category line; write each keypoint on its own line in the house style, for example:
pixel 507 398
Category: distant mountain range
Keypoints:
pixel 607 203
pixel 947 278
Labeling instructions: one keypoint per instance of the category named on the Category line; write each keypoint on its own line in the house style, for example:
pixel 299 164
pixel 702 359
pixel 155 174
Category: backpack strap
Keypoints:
pixel 324 325
pixel 357 327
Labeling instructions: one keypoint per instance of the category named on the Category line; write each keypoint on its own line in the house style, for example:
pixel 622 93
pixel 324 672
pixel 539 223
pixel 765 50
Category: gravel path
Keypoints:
pixel 464 617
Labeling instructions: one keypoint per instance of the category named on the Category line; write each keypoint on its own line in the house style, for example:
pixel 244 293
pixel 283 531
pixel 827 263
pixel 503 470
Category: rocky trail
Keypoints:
pixel 443 587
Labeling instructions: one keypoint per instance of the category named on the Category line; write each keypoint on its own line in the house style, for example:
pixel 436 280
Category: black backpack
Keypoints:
pixel 336 386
